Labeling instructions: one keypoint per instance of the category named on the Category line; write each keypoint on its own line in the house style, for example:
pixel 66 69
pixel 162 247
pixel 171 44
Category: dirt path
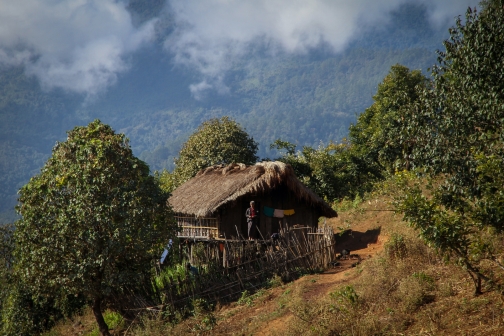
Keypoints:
pixel 267 315
pixel 363 245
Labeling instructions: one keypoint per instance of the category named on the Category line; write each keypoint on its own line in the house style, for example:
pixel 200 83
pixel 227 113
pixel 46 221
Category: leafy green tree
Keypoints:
pixel 459 125
pixel 6 261
pixel 20 313
pixel 378 134
pixel 217 141
pixel 332 171
pixel 6 248
pixel 92 220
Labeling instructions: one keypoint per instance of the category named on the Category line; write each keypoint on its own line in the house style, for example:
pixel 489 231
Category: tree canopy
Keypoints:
pixel 92 220
pixel 333 171
pixel 378 133
pixel 458 124
pixel 379 142
pixel 216 141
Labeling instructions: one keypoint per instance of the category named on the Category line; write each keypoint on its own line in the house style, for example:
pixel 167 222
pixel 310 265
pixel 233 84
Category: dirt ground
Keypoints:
pixel 281 310
pixel 362 235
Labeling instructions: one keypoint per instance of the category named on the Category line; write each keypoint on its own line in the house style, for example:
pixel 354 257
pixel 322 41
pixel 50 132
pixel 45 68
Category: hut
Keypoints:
pixel 212 204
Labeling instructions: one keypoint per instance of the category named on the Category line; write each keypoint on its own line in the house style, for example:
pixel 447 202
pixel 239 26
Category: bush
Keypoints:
pixel 396 247
pixel 22 314
pixel 415 291
pixel 114 320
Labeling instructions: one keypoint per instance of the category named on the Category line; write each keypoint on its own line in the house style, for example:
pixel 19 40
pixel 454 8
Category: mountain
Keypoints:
pixel 306 99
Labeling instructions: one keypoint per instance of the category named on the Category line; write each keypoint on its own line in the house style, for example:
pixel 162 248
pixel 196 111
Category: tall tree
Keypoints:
pixel 216 141
pixel 333 171
pixel 379 134
pixel 460 122
pixel 6 261
pixel 92 220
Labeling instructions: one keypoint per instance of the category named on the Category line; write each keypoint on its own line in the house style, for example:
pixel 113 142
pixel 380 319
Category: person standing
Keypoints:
pixel 252 215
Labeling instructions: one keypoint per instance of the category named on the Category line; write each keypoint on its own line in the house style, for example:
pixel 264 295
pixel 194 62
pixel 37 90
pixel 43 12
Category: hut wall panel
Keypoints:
pixel 280 198
pixel 231 216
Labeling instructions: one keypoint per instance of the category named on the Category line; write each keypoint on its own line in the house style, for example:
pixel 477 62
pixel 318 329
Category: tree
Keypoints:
pixel 460 123
pixel 378 134
pixel 6 260
pixel 92 220
pixel 216 141
pixel 333 171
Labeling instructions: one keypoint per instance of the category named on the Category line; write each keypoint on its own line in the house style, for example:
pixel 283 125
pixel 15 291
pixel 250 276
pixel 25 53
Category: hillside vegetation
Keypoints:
pixel 401 287
pixel 303 99
pixel 417 184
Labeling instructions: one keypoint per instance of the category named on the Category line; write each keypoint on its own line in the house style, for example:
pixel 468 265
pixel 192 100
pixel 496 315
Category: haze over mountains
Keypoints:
pixel 154 70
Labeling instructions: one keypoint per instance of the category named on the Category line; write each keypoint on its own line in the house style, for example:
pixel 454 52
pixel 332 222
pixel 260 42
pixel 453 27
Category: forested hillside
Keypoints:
pixel 305 99
pixel 424 146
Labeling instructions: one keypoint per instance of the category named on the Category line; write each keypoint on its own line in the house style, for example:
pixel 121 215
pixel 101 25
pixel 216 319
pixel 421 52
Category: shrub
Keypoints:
pixel 396 247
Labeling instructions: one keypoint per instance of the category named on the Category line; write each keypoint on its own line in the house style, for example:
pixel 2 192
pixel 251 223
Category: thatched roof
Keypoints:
pixel 217 185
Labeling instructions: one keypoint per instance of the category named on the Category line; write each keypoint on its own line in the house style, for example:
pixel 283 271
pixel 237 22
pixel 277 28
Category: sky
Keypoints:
pixel 83 45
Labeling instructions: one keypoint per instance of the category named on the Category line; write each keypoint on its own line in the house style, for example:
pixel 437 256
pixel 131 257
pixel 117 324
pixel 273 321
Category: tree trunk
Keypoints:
pixel 478 286
pixel 102 326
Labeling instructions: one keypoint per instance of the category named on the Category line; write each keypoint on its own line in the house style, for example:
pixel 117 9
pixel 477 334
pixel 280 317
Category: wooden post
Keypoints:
pixel 224 256
pixel 191 247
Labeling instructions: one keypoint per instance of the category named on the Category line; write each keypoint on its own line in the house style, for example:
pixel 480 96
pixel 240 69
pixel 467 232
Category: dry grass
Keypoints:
pixel 403 289
pixel 85 324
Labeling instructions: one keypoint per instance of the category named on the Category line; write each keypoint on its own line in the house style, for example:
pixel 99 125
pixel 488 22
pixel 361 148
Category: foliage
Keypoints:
pixel 396 246
pixel 346 296
pixel 333 172
pixel 20 314
pixel 245 299
pixel 24 313
pixel 458 125
pixel 216 141
pixel 6 249
pixel 303 99
pixel 92 220
pixel 170 274
pixel 113 319
pixel 6 261
pixel 378 136
pixel 379 143
pixel 202 311
pixel 165 180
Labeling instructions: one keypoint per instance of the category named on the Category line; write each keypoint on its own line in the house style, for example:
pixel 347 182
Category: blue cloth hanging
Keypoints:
pixel 268 211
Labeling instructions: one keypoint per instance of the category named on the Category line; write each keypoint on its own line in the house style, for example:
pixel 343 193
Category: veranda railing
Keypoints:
pixel 194 227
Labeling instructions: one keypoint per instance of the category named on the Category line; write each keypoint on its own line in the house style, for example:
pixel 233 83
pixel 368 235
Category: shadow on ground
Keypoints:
pixel 355 240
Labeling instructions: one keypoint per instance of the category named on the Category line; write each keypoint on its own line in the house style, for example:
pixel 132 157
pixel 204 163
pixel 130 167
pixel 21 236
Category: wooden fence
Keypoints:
pixel 228 267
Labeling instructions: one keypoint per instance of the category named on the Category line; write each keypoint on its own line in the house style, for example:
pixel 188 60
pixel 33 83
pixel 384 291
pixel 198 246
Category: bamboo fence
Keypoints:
pixel 228 267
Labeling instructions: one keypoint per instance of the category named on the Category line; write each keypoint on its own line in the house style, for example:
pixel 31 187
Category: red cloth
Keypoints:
pixel 252 212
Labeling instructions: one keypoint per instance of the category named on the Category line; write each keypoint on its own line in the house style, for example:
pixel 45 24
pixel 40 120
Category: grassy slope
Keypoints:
pixel 410 292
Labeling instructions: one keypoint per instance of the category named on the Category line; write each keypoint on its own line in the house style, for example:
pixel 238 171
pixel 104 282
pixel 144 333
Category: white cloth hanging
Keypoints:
pixel 278 213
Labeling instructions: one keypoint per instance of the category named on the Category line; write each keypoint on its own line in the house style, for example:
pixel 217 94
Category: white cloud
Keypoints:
pixel 82 45
pixel 77 45
pixel 211 34
pixel 442 12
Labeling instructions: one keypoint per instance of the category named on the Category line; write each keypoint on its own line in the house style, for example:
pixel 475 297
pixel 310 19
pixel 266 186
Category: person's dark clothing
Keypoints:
pixel 252 215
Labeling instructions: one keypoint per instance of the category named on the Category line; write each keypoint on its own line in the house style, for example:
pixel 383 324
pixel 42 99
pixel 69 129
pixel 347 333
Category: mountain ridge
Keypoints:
pixel 306 99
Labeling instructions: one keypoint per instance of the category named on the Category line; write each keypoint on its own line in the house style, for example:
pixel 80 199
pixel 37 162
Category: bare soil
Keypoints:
pixel 364 240
pixel 363 231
